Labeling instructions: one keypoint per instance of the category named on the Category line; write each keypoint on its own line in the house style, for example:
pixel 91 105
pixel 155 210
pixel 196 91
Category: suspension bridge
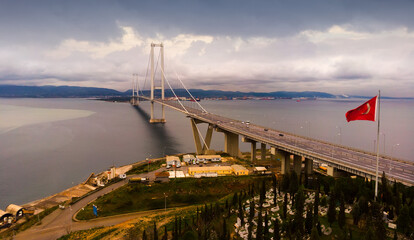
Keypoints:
pixel 292 150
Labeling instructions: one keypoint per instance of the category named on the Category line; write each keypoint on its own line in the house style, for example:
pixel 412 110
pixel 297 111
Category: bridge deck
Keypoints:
pixel 342 157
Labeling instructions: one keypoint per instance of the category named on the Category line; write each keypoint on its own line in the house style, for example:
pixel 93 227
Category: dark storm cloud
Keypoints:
pixel 47 21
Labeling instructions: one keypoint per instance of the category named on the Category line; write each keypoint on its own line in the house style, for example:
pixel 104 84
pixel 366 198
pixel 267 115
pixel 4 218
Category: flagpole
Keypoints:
pixel 378 131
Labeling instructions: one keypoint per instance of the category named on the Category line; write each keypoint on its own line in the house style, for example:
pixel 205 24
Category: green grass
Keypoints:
pixel 180 192
pixel 142 168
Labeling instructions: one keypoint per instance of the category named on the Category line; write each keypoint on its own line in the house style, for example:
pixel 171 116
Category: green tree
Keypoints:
pixel 294 183
pixel 276 231
pixel 299 206
pixel 155 232
pixel 266 235
pixel 331 209
pixel 259 230
pixel 284 210
pixel 144 235
pixel 224 235
pixel 403 221
pixel 165 236
pixel 286 182
pixel 316 207
pixel 356 213
pixel 309 221
pixel 235 200
pixel 314 234
pixel 341 215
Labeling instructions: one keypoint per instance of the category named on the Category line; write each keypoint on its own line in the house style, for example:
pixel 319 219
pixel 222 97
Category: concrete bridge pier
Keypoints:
pixel 308 166
pixel 285 162
pixel 297 164
pixel 272 154
pixel 252 148
pixel 201 148
pixel 231 143
pixel 263 151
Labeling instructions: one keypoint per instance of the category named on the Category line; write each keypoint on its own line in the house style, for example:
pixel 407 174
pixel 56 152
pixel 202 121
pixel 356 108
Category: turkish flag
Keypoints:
pixel 366 111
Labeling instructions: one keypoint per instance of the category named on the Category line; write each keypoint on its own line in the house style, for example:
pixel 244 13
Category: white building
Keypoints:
pixel 206 158
pixel 190 159
pixel 173 161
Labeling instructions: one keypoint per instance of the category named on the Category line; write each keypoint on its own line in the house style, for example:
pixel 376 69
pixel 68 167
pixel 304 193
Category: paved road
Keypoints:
pixel 60 221
pixel 361 161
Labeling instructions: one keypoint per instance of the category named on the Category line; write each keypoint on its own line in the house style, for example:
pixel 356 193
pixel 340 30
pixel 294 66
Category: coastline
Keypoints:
pixel 78 190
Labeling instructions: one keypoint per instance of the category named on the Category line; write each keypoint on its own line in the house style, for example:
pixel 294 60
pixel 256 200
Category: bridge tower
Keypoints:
pixel 153 87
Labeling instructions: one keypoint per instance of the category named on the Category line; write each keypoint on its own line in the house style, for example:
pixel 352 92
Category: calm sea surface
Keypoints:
pixel 47 145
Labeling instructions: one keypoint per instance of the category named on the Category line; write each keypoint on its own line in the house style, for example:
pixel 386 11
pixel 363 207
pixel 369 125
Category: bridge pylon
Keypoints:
pixel 153 87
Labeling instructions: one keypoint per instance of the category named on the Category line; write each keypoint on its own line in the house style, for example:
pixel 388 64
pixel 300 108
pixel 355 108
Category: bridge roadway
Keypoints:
pixel 348 159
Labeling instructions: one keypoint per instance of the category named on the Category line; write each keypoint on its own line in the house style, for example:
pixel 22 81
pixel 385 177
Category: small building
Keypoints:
pixel 173 161
pixel 111 173
pixel 176 174
pixel 5 217
pixel 240 170
pixel 260 170
pixel 190 159
pixel 162 176
pixel 206 158
pixel 15 210
pixel 220 170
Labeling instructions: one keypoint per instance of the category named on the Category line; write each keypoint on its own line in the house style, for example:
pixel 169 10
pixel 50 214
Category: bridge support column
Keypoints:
pixel 231 144
pixel 308 166
pixel 331 171
pixel 263 151
pixel 285 162
pixel 196 134
pixel 272 153
pixel 253 151
pixel 297 164
pixel 153 120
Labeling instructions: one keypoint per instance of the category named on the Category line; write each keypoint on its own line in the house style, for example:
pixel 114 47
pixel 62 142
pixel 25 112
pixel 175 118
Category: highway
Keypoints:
pixel 350 159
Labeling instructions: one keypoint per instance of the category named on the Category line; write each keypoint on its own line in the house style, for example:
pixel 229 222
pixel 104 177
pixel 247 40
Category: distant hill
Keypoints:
pixel 69 91
pixel 55 91
pixel 230 94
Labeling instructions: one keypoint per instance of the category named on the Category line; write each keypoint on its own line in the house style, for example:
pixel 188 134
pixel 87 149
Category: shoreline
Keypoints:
pixel 78 190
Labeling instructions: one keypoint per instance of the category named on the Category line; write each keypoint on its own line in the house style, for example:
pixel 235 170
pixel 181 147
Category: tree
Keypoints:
pixel 299 206
pixel 234 200
pixel 356 213
pixel 403 220
pixel 155 232
pixel 309 221
pixel 316 207
pixel 144 235
pixel 266 235
pixel 294 183
pixel 285 202
pixel 314 234
pixel 331 209
pixel 165 237
pixel 285 182
pixel 241 214
pixel 341 215
pixel 262 193
pixel 276 233
pixel 225 233
pixel 259 230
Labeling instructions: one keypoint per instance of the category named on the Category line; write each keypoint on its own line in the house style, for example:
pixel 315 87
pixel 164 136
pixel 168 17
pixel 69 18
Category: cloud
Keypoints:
pixel 338 58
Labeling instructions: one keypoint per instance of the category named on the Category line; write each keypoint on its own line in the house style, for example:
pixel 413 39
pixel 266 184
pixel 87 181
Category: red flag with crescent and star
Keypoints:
pixel 366 111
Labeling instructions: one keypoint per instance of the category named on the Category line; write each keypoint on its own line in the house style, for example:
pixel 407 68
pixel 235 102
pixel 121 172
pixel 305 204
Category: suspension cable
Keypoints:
pixel 204 110
pixel 172 90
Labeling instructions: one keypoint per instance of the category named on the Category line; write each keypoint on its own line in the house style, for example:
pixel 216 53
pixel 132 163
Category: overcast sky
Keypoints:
pixel 340 47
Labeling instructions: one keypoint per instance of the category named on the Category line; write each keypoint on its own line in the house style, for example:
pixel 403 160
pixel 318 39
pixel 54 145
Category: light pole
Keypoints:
pixel 165 202
pixel 339 134
pixel 392 153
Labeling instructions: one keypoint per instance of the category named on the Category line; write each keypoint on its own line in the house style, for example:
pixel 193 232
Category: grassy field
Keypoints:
pixel 180 192
pixel 144 167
